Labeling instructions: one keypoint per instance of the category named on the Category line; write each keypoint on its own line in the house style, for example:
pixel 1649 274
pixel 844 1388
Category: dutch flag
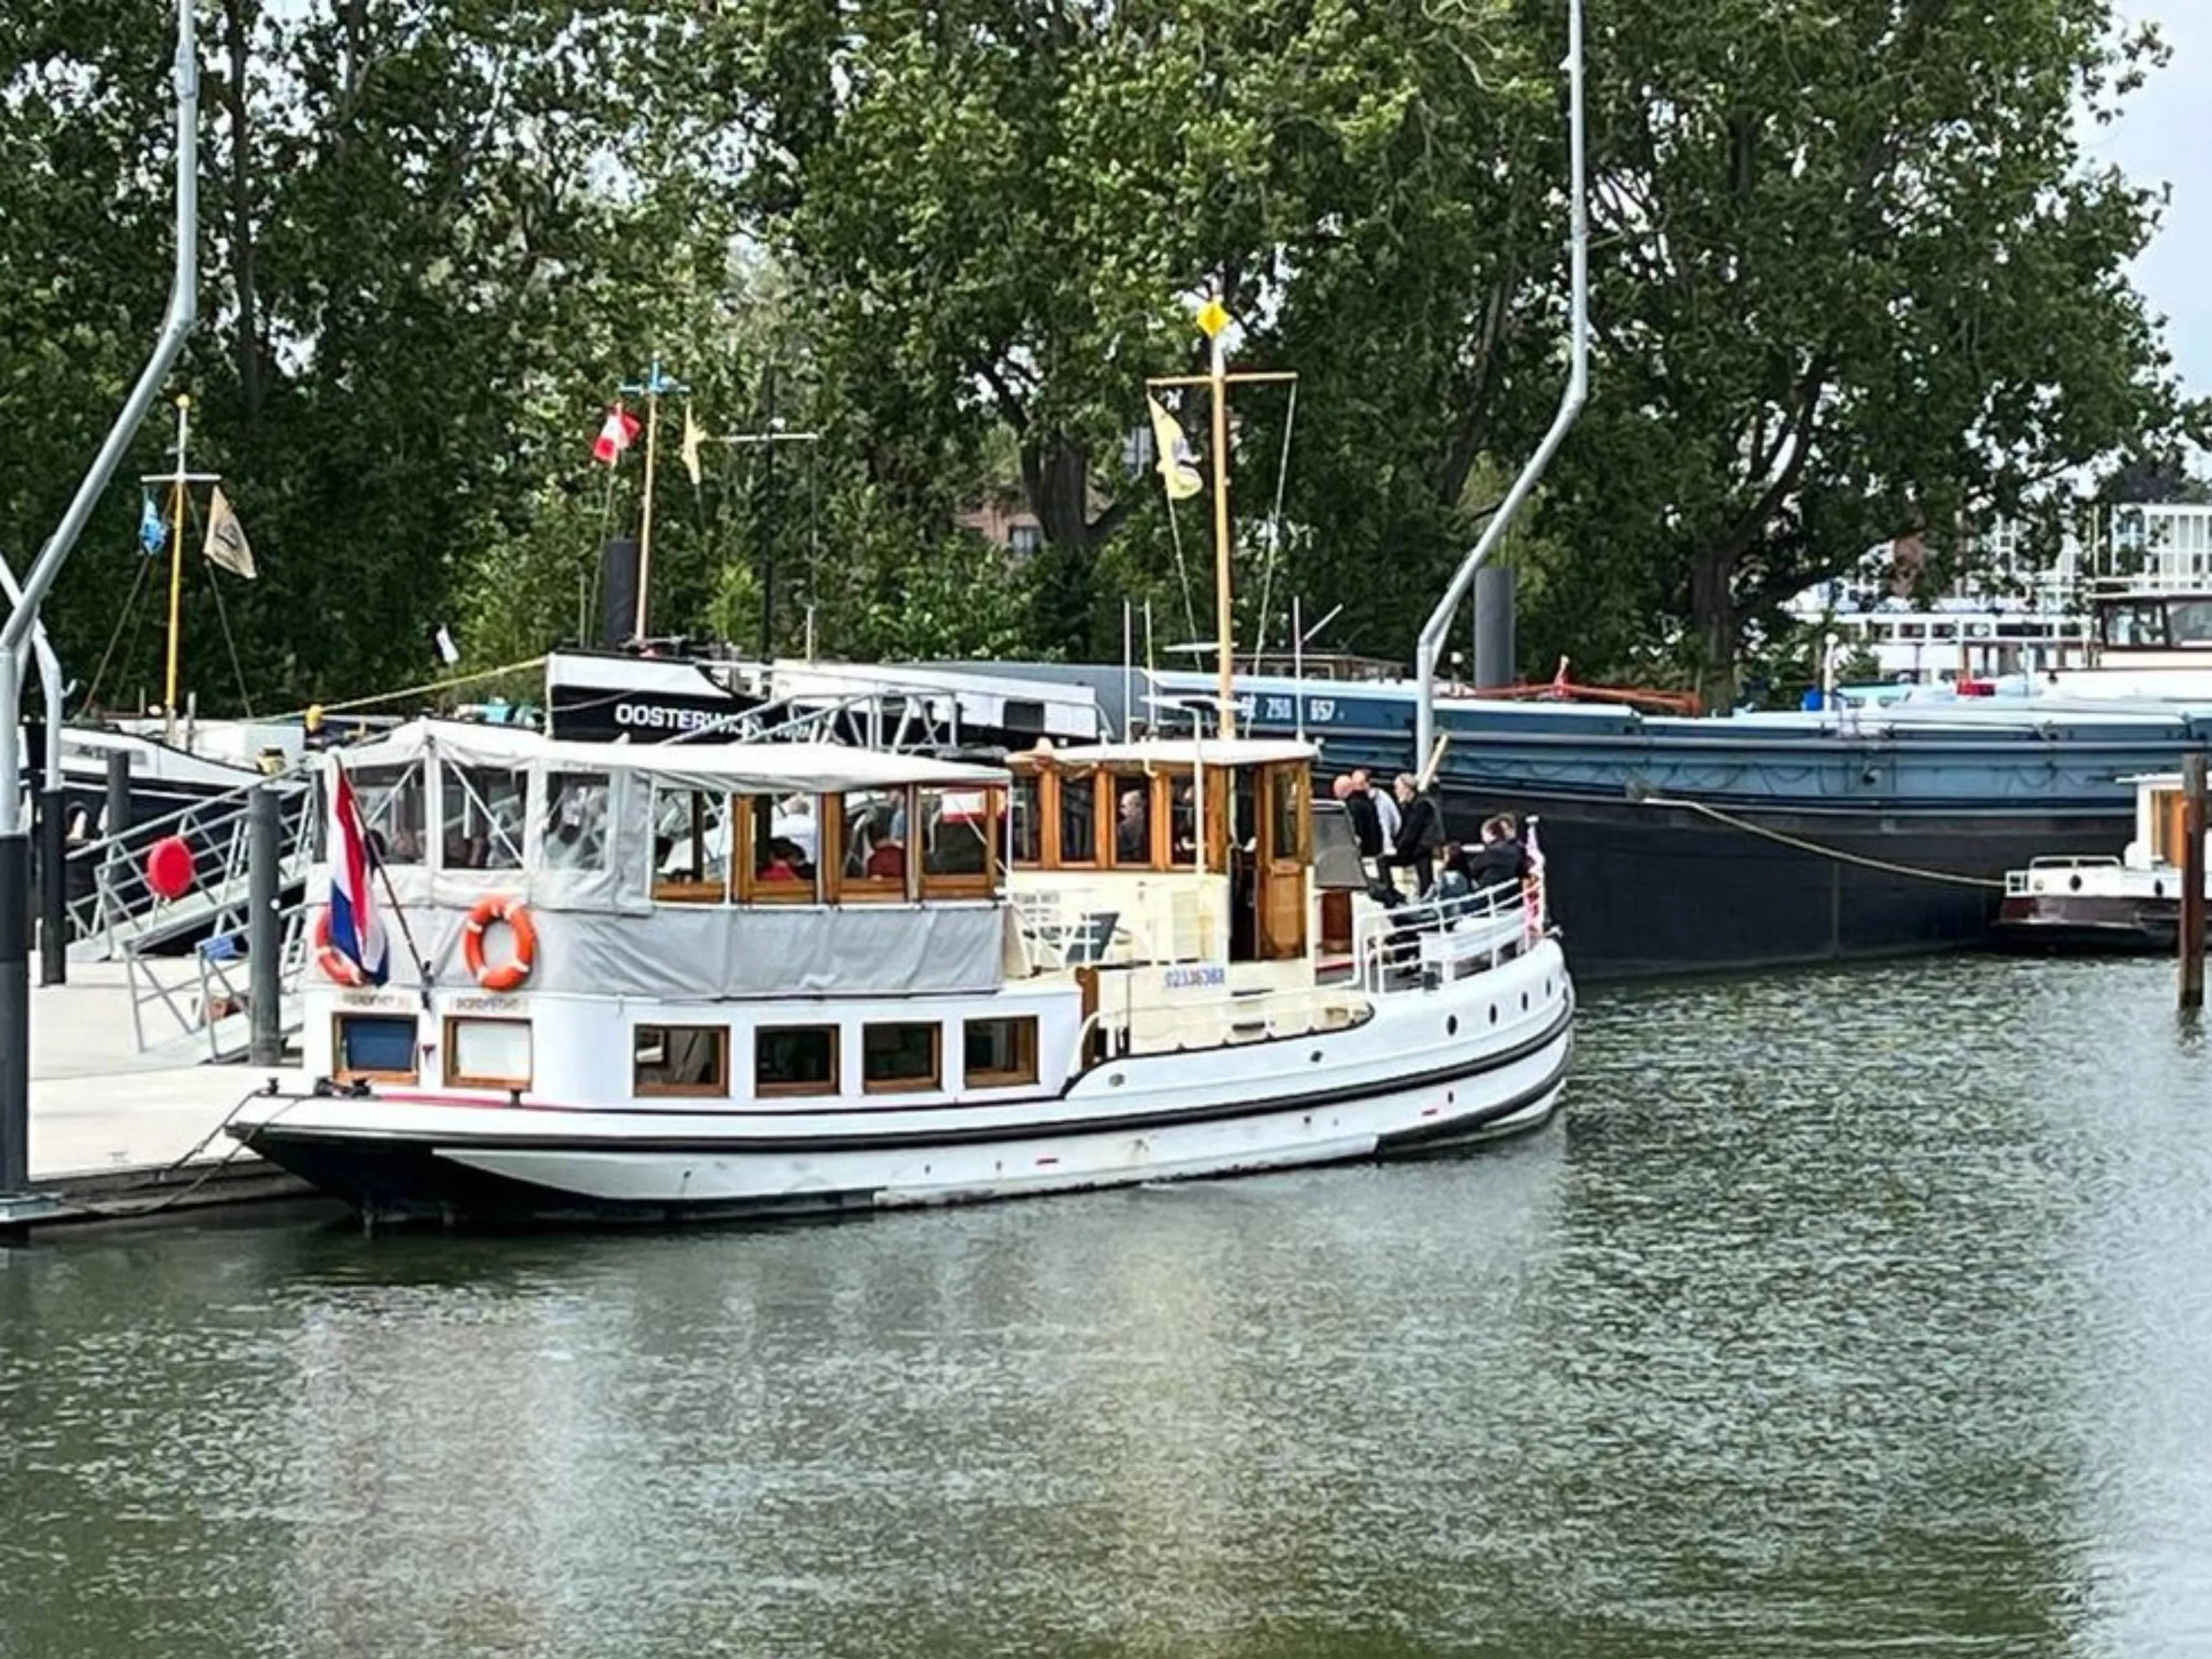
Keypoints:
pixel 357 933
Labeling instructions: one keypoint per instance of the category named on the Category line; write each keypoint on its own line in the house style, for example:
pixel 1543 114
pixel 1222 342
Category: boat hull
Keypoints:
pixel 1127 1121
pixel 1640 890
pixel 2072 924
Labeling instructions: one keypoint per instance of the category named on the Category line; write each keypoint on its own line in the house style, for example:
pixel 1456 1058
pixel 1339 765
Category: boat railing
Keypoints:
pixel 1428 942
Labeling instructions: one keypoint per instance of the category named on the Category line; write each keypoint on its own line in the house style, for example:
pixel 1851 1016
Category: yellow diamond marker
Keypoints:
pixel 1213 318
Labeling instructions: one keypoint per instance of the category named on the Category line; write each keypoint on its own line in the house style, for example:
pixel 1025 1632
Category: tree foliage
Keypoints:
pixel 1853 276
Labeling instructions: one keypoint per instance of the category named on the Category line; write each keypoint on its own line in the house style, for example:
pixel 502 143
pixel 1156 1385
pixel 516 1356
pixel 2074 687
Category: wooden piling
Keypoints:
pixel 2191 931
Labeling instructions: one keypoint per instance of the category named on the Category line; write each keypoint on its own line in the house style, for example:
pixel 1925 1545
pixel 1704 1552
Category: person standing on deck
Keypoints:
pixel 1420 832
pixel 1386 810
pixel 1366 823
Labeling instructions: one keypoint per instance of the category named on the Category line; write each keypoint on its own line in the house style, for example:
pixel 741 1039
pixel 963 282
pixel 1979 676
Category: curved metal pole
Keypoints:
pixel 176 328
pixel 1438 626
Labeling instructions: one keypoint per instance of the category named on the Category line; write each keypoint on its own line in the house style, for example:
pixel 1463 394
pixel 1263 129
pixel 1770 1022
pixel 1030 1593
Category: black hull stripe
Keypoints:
pixel 270 1137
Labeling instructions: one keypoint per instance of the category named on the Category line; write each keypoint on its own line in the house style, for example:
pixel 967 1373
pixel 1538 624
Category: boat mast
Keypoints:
pixel 655 386
pixel 1213 319
pixel 179 481
pixel 1438 626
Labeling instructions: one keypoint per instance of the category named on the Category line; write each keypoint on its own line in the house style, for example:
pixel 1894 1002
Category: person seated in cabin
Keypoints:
pixel 1133 832
pixel 781 862
pixel 794 823
pixel 1182 826
pixel 887 861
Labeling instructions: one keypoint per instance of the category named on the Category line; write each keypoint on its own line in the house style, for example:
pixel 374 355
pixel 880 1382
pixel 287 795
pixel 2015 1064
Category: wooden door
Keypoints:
pixel 1283 856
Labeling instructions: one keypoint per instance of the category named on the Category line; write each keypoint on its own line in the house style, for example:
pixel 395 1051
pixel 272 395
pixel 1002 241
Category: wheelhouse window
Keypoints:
pixel 482 815
pixel 958 841
pixel 779 861
pixel 681 1059
pixel 795 1060
pixel 903 1056
pixel 487 1053
pixel 1027 835
pixel 1079 818
pixel 1182 823
pixel 874 828
pixel 690 846
pixel 575 824
pixel 371 1046
pixel 1000 1053
pixel 1285 798
pixel 393 806
pixel 1131 843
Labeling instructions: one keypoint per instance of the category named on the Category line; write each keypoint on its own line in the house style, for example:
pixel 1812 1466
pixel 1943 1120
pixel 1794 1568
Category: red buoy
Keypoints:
pixel 169 866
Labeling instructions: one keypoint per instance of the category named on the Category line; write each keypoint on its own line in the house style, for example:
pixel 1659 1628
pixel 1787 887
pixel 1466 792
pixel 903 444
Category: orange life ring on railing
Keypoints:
pixel 335 965
pixel 516 968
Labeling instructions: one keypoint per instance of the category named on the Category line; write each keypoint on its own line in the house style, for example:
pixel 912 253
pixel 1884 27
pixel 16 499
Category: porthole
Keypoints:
pixel 2074 883
pixel 1451 1026
pixel 1494 1013
pixel 1524 1002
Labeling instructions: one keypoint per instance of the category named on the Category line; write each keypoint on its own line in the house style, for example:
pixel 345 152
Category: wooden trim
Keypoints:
pixel 840 888
pixel 341 1073
pixel 719 1088
pixel 833 1085
pixel 971 884
pixel 904 1085
pixel 1059 857
pixel 677 889
pixel 456 1080
pixel 1025 1069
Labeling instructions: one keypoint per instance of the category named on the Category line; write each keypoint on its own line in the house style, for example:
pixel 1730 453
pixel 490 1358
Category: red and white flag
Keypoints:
pixel 617 434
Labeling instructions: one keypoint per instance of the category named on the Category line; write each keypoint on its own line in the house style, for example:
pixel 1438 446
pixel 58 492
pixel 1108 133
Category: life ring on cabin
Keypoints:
pixel 335 963
pixel 516 968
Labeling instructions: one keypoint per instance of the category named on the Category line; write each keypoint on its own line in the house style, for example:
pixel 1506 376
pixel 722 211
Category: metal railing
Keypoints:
pixel 119 905
pixel 1424 943
pixel 205 995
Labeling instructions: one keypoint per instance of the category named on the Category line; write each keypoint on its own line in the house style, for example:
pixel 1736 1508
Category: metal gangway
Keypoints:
pixel 194 1007
pixel 118 908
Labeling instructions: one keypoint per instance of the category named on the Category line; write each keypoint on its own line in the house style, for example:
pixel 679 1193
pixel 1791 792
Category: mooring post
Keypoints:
pixel 15 965
pixel 2192 932
pixel 262 944
pixel 53 888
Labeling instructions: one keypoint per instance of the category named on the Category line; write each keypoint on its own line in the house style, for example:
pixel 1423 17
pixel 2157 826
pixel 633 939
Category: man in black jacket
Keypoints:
pixel 1420 832
pixel 1366 823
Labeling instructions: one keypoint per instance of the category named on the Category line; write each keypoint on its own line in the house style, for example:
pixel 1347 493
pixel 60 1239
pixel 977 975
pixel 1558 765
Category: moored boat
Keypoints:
pixel 2096 904
pixel 661 982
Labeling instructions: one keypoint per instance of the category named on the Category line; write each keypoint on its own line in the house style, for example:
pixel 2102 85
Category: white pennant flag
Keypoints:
pixel 226 545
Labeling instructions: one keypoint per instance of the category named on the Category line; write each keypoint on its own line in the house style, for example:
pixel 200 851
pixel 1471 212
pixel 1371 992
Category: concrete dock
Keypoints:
pixel 110 1125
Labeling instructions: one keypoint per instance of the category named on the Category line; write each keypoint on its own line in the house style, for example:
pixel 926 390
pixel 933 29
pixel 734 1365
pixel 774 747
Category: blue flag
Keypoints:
pixel 153 534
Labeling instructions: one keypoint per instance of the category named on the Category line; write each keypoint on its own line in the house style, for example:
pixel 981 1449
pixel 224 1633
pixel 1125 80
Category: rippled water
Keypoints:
pixel 1845 1313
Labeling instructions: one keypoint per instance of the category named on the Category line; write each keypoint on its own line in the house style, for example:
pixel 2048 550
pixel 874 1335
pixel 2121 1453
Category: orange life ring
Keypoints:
pixel 516 968
pixel 335 965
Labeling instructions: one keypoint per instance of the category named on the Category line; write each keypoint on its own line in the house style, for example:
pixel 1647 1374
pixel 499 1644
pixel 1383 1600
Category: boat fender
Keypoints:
pixel 335 965
pixel 516 968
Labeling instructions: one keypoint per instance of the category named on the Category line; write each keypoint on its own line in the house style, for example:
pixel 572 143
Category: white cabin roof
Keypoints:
pixel 808 769
pixel 1185 751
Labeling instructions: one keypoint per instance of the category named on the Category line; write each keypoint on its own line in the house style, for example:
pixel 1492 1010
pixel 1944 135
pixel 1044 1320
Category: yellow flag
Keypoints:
pixel 1178 468
pixel 691 444
pixel 226 538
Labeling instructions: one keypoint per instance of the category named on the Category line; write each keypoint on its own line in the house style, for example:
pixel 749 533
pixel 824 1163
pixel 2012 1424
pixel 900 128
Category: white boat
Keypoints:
pixel 2097 904
pixel 1101 965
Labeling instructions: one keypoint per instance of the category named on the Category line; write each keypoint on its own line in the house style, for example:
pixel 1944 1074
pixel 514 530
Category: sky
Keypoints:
pixel 2166 136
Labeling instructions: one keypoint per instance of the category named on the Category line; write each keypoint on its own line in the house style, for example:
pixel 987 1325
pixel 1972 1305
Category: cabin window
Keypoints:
pixel 1132 795
pixel 1028 823
pixel 2189 623
pixel 483 816
pixel 795 1060
pixel 2138 625
pixel 958 828
pixel 1285 819
pixel 899 1057
pixel 779 866
pixel 487 1053
pixel 373 1046
pixel 1000 1053
pixel 1183 824
pixel 690 846
pixel 392 803
pixel 873 830
pixel 576 823
pixel 681 1059
pixel 1079 819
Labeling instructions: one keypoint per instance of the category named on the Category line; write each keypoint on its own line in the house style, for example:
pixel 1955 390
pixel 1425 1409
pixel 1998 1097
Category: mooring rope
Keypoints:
pixel 1888 866
pixel 422 689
